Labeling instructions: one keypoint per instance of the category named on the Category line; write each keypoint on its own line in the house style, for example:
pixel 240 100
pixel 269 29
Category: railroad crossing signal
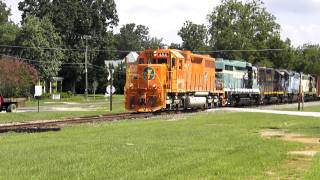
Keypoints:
pixel 110 72
pixel 109 89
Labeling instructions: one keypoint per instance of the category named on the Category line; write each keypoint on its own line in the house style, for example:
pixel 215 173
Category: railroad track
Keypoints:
pixel 55 125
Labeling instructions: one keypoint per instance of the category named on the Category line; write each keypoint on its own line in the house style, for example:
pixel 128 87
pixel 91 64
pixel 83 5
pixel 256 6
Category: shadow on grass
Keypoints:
pixel 32 130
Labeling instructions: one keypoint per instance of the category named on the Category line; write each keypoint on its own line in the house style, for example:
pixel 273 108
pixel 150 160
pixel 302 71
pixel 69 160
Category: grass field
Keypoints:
pixel 311 109
pixel 207 146
pixel 315 108
pixel 118 106
pixel 75 99
pixel 32 116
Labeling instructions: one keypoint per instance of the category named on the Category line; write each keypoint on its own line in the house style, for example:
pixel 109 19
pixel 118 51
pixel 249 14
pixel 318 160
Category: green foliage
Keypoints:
pixel 8 30
pixel 5 12
pixel 237 25
pixel 38 8
pixel 309 59
pixel 154 43
pixel 8 33
pixel 76 21
pixel 65 95
pixel 175 46
pixel 46 96
pixel 41 33
pixel 136 37
pixel 132 37
pixel 194 36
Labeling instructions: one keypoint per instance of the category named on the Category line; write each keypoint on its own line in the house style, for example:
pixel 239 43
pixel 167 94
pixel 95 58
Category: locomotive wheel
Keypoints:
pixel 12 108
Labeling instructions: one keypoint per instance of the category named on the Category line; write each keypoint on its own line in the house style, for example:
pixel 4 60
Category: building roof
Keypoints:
pixel 131 57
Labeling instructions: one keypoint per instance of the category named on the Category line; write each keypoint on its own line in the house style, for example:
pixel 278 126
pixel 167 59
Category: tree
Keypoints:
pixel 234 25
pixel 154 43
pixel 175 46
pixel 16 78
pixel 4 13
pixel 194 36
pixel 308 59
pixel 8 33
pixel 38 8
pixel 132 37
pixel 45 42
pixel 8 30
pixel 80 23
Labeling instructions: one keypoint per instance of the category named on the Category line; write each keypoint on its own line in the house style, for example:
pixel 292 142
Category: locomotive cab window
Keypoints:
pixel 228 68
pixel 180 64
pixel 152 61
pixel 162 61
pixel 141 61
pixel 173 61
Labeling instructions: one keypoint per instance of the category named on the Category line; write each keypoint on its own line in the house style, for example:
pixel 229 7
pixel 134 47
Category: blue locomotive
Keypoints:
pixel 245 84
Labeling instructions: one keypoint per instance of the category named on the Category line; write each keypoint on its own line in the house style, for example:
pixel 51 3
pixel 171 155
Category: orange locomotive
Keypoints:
pixel 168 79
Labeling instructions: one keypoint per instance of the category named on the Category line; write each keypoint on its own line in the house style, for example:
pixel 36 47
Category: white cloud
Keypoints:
pixel 296 6
pixel 16 14
pixel 302 34
pixel 164 17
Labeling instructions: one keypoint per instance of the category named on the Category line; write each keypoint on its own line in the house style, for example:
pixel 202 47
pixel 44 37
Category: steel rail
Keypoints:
pixel 23 126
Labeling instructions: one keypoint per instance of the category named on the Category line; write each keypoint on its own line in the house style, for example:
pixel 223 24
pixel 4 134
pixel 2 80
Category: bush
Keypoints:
pixel 68 94
pixel 17 79
pixel 46 96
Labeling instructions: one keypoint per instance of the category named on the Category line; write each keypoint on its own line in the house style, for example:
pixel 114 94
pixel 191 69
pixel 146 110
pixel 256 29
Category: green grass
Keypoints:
pixel 31 116
pixel 315 108
pixel 311 109
pixel 207 146
pixel 75 99
pixel 118 106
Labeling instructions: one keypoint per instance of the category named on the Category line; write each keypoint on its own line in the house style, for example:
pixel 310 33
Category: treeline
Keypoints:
pixel 247 31
pixel 54 35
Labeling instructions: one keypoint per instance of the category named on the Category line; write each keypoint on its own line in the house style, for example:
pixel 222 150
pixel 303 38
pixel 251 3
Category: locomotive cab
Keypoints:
pixel 146 92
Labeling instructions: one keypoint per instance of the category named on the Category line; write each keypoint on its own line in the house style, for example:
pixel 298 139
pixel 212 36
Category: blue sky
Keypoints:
pixel 299 19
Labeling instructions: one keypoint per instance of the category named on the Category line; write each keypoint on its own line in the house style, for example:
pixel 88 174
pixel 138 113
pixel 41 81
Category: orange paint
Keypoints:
pixel 159 72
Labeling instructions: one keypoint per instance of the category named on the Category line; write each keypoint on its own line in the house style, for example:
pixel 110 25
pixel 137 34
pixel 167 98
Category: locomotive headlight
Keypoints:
pixel 131 85
pixel 154 86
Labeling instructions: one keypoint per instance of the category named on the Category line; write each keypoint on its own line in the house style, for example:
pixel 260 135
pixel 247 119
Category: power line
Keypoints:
pixel 65 65
pixel 127 51
pixel 66 49
pixel 239 50
pixel 46 62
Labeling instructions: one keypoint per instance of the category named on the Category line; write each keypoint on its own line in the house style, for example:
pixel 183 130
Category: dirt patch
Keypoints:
pixel 172 117
pixel 293 137
pixel 307 153
pixel 300 160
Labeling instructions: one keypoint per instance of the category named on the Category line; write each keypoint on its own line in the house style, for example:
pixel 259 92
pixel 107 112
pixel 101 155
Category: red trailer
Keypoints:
pixel 8 104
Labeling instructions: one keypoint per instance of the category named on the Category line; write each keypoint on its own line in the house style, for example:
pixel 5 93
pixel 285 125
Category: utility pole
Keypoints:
pixel 86 68
pixel 300 93
pixel 111 88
